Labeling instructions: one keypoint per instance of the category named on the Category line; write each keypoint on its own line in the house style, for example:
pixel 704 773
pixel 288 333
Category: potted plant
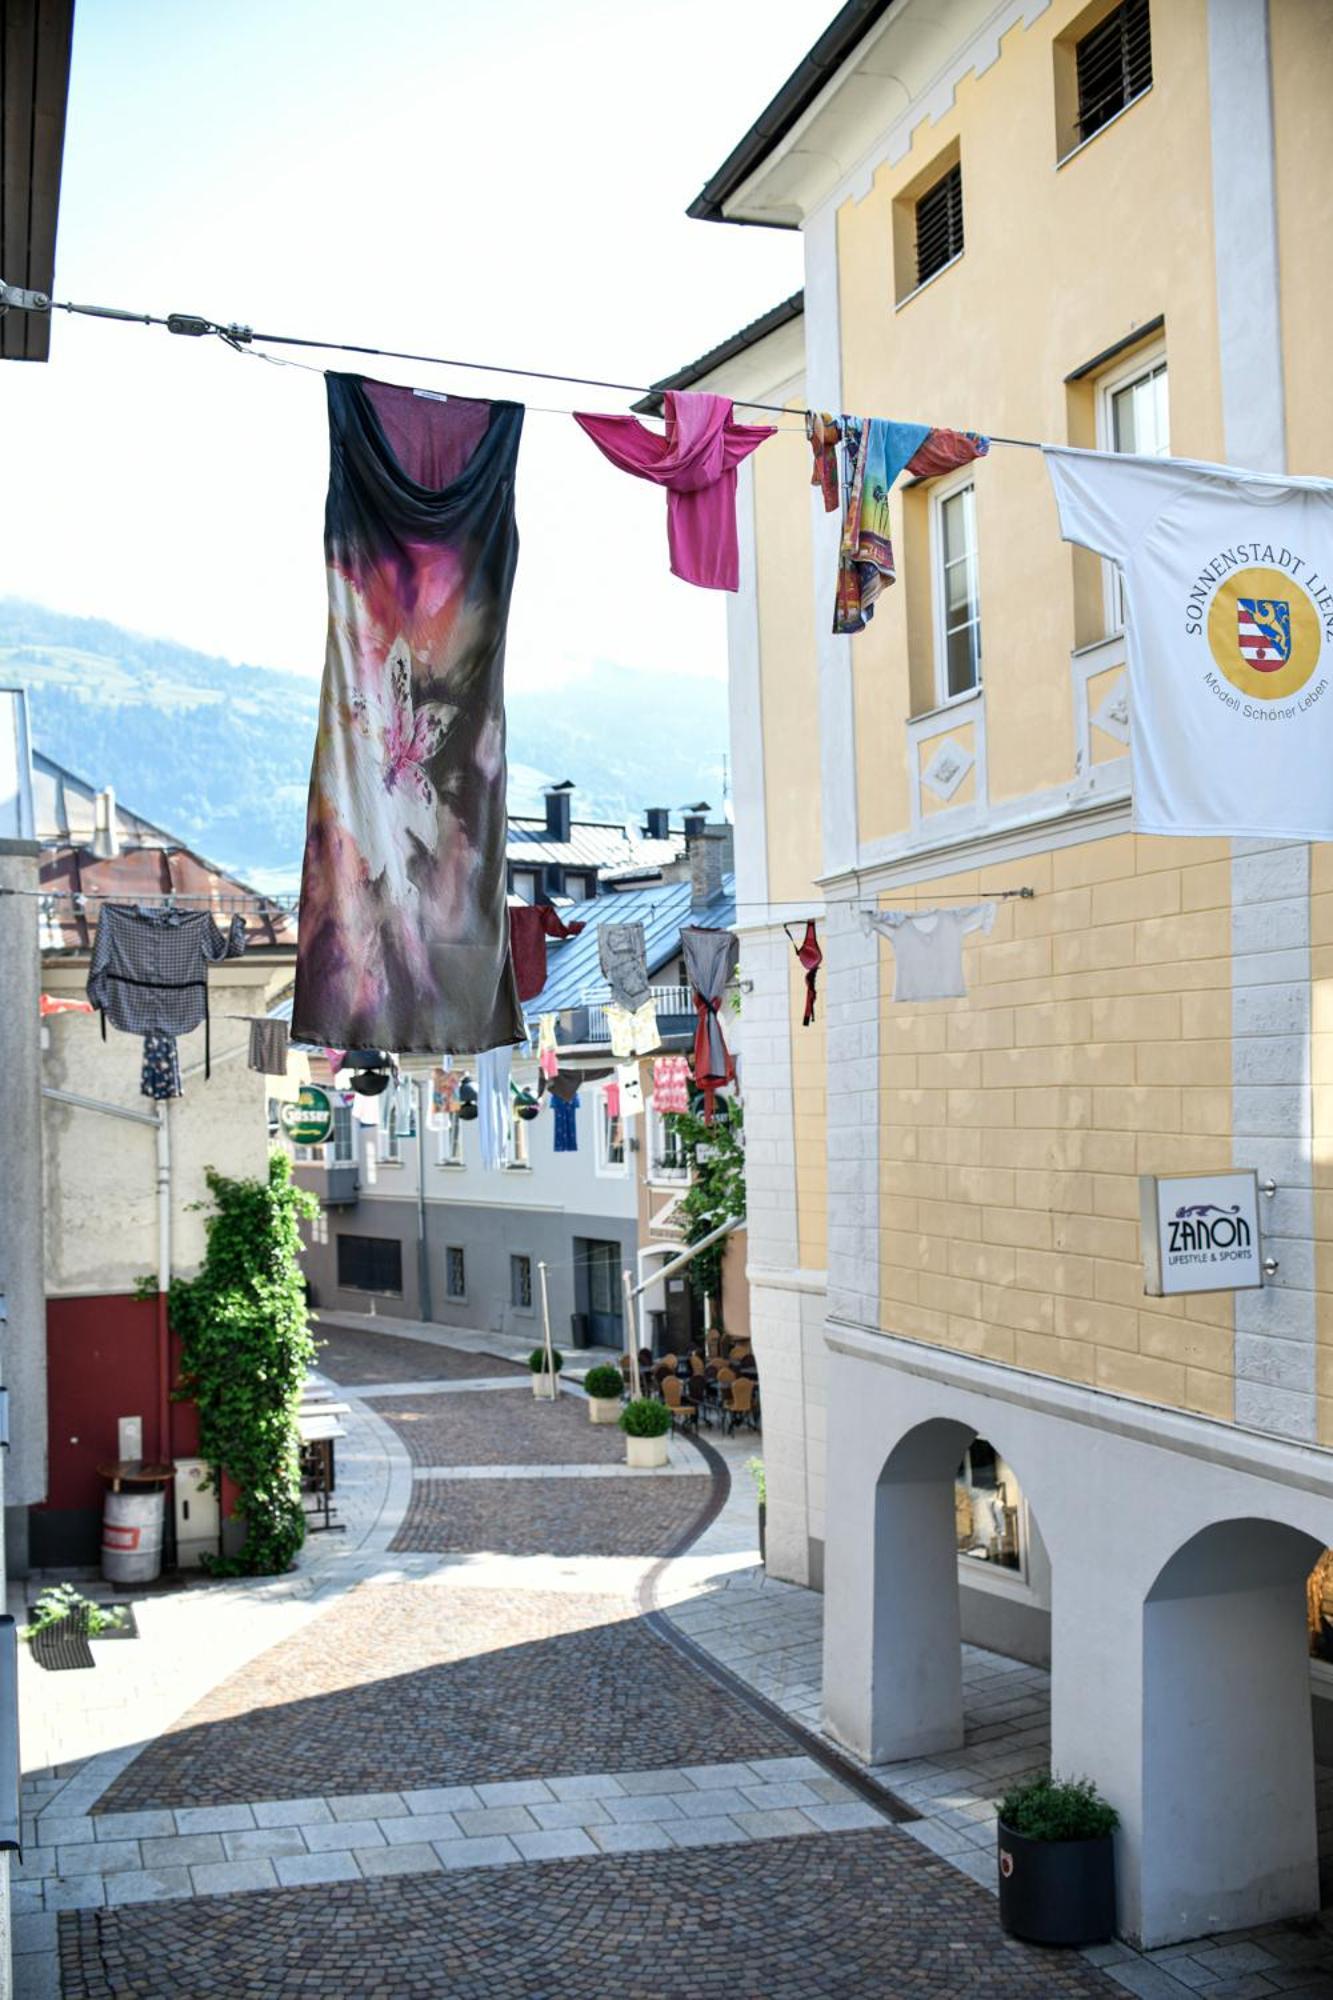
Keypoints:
pixel 1057 1862
pixel 543 1382
pixel 645 1423
pixel 755 1468
pixel 603 1385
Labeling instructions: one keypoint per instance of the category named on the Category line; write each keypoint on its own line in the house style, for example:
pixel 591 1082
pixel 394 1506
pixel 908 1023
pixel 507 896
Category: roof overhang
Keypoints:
pixel 878 70
pixel 35 42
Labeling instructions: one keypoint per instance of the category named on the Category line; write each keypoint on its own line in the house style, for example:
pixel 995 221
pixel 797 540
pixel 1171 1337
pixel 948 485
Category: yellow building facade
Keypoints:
pixel 946 1254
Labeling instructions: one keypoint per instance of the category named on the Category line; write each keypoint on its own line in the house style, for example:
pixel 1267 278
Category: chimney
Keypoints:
pixel 106 833
pixel 657 823
pixel 696 819
pixel 557 809
pixel 707 852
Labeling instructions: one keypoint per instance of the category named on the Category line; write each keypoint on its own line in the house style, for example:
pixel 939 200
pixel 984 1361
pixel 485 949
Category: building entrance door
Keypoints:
pixel 600 1293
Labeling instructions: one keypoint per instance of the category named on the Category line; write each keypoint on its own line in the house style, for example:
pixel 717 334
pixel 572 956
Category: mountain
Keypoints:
pixel 219 753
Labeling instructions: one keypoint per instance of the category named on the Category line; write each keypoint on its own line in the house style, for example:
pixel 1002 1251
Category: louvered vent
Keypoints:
pixel 1114 65
pixel 939 225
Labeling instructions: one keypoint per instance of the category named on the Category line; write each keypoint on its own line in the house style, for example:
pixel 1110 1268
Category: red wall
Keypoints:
pixel 101 1358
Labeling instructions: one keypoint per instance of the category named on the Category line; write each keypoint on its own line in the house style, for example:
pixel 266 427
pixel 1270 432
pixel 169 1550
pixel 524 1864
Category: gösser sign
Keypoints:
pixel 309 1121
pixel 1200 1233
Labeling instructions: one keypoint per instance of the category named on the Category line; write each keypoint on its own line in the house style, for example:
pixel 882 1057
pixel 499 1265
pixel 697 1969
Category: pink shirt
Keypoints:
pixel 696 461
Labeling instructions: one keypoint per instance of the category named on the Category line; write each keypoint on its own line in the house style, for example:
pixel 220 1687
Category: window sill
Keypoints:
pixel 450 1166
pixel 934 278
pixel 992 1577
pixel 1093 137
pixel 948 706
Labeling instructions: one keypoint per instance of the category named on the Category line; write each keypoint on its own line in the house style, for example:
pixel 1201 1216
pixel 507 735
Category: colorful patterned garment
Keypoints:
pixel 161 1073
pixel 671 1085
pixel 548 1056
pixel 874 454
pixel 710 959
pixel 823 433
pixel 566 1125
pixel 404 938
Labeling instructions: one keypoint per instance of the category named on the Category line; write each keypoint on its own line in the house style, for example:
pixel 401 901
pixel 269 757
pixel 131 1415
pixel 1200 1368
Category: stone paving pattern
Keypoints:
pixel 420 1685
pixel 560 1517
pixel 355 1358
pixel 824 1917
pixel 502 1427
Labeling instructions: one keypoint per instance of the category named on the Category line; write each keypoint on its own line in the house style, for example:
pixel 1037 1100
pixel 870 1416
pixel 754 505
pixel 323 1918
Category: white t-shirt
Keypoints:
pixel 1229 637
pixel 928 948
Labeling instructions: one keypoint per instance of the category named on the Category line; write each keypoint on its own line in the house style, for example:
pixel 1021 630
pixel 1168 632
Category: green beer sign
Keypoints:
pixel 308 1122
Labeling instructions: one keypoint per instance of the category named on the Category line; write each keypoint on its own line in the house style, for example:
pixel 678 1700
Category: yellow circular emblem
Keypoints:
pixel 1264 633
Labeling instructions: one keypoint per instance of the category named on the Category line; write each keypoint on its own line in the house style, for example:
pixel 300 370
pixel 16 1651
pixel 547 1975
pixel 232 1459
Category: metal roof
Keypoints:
pixel 573 974
pixel 849 27
pixel 726 350
pixel 599 844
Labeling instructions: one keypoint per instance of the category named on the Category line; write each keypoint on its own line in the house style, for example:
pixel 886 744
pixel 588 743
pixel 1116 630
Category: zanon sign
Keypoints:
pixel 1200 1233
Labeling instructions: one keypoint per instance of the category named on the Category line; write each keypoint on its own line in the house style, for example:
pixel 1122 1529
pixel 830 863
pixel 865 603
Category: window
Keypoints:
pixel 1132 415
pixel 939 224
pixel 520 1284
pixel 524 884
pixel 1114 65
pixel 342 1146
pixel 391 1128
pixel 516 1137
pixel 988 1509
pixel 370 1264
pixel 449 1141
pixel 667 1160
pixel 957 604
pixel 610 1137
pixel 577 888
pixel 455 1273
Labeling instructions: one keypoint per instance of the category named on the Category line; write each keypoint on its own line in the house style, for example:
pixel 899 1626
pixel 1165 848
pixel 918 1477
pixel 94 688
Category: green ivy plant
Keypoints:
pixel 716 1160
pixel 60 1600
pixel 246 1349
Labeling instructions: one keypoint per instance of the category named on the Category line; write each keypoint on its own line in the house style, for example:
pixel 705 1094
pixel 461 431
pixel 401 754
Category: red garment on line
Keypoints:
pixel 696 461
pixel 530 924
pixel 811 957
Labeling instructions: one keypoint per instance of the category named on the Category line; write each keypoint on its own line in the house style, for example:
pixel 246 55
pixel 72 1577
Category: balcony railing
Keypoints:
pixel 675 1012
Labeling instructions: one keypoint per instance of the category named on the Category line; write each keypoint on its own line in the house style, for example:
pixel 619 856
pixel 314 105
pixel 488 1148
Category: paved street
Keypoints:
pixel 334 1810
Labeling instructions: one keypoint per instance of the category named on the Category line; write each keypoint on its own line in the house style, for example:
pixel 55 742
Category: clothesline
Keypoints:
pixel 159 898
pixel 242 338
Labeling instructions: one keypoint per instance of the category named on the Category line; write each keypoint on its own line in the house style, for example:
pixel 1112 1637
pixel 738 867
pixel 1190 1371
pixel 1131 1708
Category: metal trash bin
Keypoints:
pixel 132 1521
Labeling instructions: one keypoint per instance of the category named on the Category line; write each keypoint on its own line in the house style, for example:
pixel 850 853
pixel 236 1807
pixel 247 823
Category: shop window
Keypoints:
pixel 455 1273
pixel 520 1284
pixel 957 596
pixel 371 1264
pixel 988 1509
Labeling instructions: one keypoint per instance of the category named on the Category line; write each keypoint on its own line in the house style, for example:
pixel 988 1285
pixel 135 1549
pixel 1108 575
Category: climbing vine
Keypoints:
pixel 246 1348
pixel 716 1159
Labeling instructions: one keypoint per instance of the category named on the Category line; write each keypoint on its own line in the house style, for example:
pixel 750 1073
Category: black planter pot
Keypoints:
pixel 1057 1891
pixel 763 1516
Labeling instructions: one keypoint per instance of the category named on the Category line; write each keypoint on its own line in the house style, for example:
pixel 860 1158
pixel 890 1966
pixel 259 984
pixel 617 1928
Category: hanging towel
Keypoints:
pixel 623 956
pixel 404 940
pixel 268 1047
pixel 613 1100
pixel 149 969
pixel 161 1073
pixel 671 1085
pixel 493 1105
pixel 823 433
pixel 696 461
pixel 631 1090
pixel 530 924
pixel 633 1034
pixel 566 1124
pixel 710 959
pixel 548 1059
pixel 928 948
pixel 874 454
pixel 811 958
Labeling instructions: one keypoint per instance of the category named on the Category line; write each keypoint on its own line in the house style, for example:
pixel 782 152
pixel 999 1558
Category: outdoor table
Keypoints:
pixel 317 1429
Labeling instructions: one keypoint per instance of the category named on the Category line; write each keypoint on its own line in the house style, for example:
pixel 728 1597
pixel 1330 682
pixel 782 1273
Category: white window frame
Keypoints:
pixel 449 1141
pixel 1142 364
pixel 607 1168
pixel 655 1136
pixel 334 1154
pixel 389 1134
pixel 949 490
pixel 517 1153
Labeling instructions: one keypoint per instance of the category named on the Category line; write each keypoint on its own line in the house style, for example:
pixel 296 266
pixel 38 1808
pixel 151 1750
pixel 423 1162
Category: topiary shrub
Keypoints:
pixel 603 1380
pixel 645 1418
pixel 537 1360
pixel 245 1352
pixel 1049 1808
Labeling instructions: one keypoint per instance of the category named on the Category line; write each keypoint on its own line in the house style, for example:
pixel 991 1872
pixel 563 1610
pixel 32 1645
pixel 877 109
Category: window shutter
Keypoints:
pixel 939 224
pixel 1114 65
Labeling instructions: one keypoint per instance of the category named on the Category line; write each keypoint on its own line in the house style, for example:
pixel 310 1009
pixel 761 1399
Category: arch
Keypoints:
pixel 1228 1835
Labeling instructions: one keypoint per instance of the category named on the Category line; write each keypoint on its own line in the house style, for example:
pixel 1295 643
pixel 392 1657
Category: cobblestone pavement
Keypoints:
pixel 574 1517
pixel 354 1358
pixel 488 1774
pixel 501 1427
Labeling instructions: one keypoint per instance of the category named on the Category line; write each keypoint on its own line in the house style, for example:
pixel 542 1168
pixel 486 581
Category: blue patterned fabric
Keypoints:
pixel 161 1076
pixel 566 1125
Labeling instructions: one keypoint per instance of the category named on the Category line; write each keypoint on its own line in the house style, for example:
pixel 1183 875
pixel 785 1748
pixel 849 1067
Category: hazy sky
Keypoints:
pixel 501 178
